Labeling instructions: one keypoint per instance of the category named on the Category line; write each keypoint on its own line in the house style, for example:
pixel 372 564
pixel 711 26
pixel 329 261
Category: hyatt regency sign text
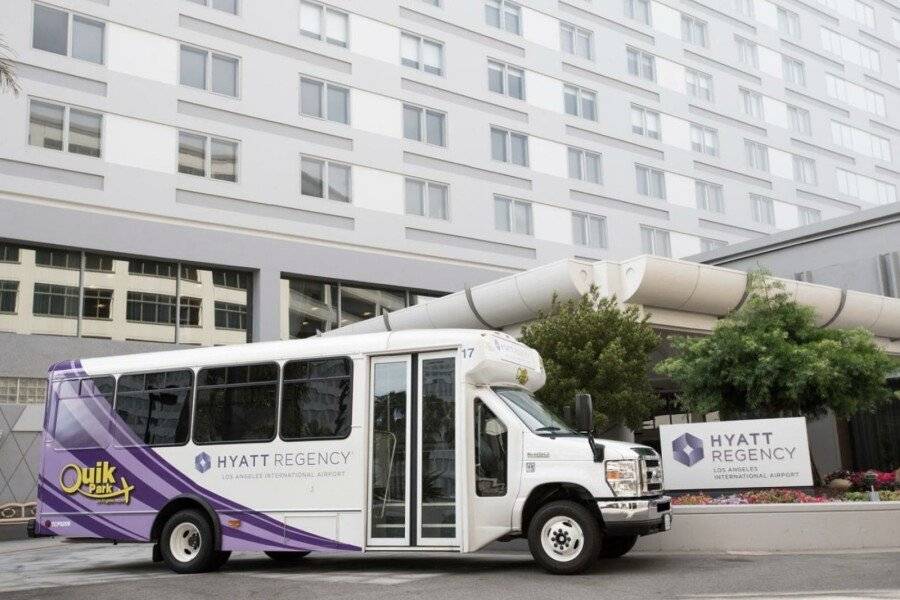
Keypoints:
pixel 736 454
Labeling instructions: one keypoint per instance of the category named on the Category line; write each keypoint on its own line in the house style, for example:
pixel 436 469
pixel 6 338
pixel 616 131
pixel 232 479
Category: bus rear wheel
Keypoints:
pixel 187 543
pixel 286 557
pixel 564 537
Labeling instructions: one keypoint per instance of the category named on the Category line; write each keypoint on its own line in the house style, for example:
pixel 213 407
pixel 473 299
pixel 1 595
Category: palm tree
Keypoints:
pixel 8 79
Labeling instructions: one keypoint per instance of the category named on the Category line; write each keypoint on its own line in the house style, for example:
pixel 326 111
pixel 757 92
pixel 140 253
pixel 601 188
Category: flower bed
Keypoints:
pixel 884 480
pixel 781 496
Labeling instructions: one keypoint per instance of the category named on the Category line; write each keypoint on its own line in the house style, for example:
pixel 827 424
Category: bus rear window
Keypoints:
pixel 82 412
pixel 156 406
pixel 236 404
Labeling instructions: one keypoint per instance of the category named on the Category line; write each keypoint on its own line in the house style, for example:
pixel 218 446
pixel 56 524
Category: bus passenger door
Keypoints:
pixel 413 483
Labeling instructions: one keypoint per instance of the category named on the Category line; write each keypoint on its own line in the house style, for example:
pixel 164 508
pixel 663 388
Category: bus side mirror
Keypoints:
pixel 584 413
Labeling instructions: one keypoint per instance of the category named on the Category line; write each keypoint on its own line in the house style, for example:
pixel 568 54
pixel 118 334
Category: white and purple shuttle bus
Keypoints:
pixel 426 440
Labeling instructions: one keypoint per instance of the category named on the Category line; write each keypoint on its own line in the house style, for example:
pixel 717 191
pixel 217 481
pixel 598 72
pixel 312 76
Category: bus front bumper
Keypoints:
pixel 641 516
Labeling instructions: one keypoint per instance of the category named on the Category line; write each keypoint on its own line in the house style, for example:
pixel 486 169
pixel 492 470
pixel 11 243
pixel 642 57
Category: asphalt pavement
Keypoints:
pixel 49 569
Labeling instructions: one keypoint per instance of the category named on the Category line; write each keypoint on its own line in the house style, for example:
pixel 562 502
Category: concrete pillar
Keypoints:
pixel 266 305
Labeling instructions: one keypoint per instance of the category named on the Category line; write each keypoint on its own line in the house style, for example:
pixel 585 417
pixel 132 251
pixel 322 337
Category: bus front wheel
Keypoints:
pixel 286 557
pixel 564 537
pixel 187 543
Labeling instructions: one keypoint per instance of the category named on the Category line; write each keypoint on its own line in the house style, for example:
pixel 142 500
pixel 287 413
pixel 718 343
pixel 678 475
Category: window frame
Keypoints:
pixel 694 24
pixel 707 134
pixel 654 231
pixel 211 4
pixel 326 177
pixel 323 24
pixel 280 397
pixel 66 124
pixel 762 206
pixel 583 156
pixel 227 307
pixel 70 32
pixel 649 172
pixel 502 23
pixel 423 112
pixel 698 76
pixel 752 98
pixel 631 12
pixel 277 401
pixel 645 130
pixel 427 184
pixel 510 213
pixel 140 297
pixel 6 288
pixel 508 134
pixel 640 55
pixel 323 99
pixel 800 165
pixel 565 26
pixel 208 66
pixel 788 22
pixel 207 155
pixel 586 229
pixel 421 40
pixel 747 48
pixel 66 295
pixel 751 147
pixel 505 69
pixel 580 93
pixel 707 186
pixel 794 66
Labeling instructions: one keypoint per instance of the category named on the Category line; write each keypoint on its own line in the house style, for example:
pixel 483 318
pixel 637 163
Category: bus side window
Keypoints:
pixel 156 407
pixel 82 412
pixel 316 399
pixel 236 404
pixel 490 452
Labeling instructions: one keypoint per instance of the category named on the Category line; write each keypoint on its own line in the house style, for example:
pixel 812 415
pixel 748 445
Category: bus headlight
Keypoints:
pixel 622 477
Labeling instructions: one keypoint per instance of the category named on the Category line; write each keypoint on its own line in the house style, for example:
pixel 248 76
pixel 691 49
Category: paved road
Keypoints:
pixel 51 569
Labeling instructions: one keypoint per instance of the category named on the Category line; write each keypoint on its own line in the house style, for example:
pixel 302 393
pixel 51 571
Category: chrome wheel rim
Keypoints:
pixel 562 538
pixel 185 541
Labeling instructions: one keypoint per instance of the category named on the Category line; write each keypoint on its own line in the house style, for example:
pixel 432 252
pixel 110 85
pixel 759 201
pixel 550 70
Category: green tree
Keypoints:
pixel 769 359
pixel 7 73
pixel 592 345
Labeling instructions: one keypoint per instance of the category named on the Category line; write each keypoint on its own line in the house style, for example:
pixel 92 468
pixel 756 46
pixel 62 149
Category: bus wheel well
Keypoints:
pixel 183 503
pixel 551 492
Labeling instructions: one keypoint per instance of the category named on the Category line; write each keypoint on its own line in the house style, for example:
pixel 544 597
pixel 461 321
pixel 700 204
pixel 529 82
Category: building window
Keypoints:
pixel 427 199
pixel 752 103
pixel 865 188
pixel 207 156
pixel 639 10
pixel 156 268
pixel 580 102
pixel 99 263
pixel 699 85
pixel 808 216
pixel 577 41
pixel 324 23
pixel 641 64
pixel 709 196
pixel 804 170
pixel 645 122
pixel 763 210
pixel 655 241
pixel 850 50
pixel 588 230
pixel 231 316
pixel 757 155
pixel 9 253
pixel 97 303
pixel 9 292
pixel 209 71
pixel 693 30
pixel 55 126
pixel 58 259
pixel 159 309
pixel 584 165
pixel 506 79
pixel 799 120
pixel 324 179
pixel 229 6
pixel 709 244
pixel 508 146
pixel 317 399
pixel 794 71
pixel 503 14
pixel 324 100
pixel 65 33
pixel 704 140
pixel 788 22
pixel 236 404
pixel 423 54
pixel 855 95
pixel 858 11
pixel 55 300
pixel 863 142
pixel 650 182
pixel 424 125
pixel 235 280
pixel 748 52
pixel 744 7
pixel 512 215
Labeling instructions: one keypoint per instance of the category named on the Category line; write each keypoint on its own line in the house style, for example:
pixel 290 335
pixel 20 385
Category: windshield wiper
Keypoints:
pixel 549 428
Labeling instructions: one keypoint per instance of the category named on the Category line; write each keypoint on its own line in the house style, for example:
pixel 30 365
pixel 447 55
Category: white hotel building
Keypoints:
pixel 212 171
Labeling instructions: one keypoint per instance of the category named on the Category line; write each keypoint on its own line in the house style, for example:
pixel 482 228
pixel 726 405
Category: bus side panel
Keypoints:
pixel 97 480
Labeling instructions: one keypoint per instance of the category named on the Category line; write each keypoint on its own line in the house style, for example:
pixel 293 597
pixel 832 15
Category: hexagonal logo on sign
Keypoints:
pixel 687 449
pixel 202 462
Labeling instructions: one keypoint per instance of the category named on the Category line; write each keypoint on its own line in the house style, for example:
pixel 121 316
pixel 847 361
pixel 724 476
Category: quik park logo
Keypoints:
pixel 97 482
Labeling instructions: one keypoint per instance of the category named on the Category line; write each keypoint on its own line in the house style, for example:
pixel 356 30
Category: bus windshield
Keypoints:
pixel 534 414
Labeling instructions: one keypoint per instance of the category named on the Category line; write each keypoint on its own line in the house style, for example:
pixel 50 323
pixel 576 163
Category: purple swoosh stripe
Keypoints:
pixel 79 507
pixel 147 460
pixel 88 521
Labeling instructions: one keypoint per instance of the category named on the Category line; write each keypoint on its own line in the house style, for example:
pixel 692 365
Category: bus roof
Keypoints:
pixel 368 343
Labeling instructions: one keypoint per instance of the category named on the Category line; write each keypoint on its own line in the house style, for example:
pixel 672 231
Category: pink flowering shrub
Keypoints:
pixel 884 480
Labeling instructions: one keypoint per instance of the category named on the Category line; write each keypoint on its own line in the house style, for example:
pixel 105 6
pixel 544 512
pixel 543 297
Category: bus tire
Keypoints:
pixel 221 558
pixel 616 546
pixel 188 543
pixel 564 537
pixel 287 557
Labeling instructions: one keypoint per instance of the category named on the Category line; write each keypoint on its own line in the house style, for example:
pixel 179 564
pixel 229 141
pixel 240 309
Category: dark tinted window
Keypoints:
pixel 236 404
pixel 490 452
pixel 156 406
pixel 316 399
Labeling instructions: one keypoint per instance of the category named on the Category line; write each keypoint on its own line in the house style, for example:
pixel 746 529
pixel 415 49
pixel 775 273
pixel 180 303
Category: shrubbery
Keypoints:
pixel 884 480
pixel 781 496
